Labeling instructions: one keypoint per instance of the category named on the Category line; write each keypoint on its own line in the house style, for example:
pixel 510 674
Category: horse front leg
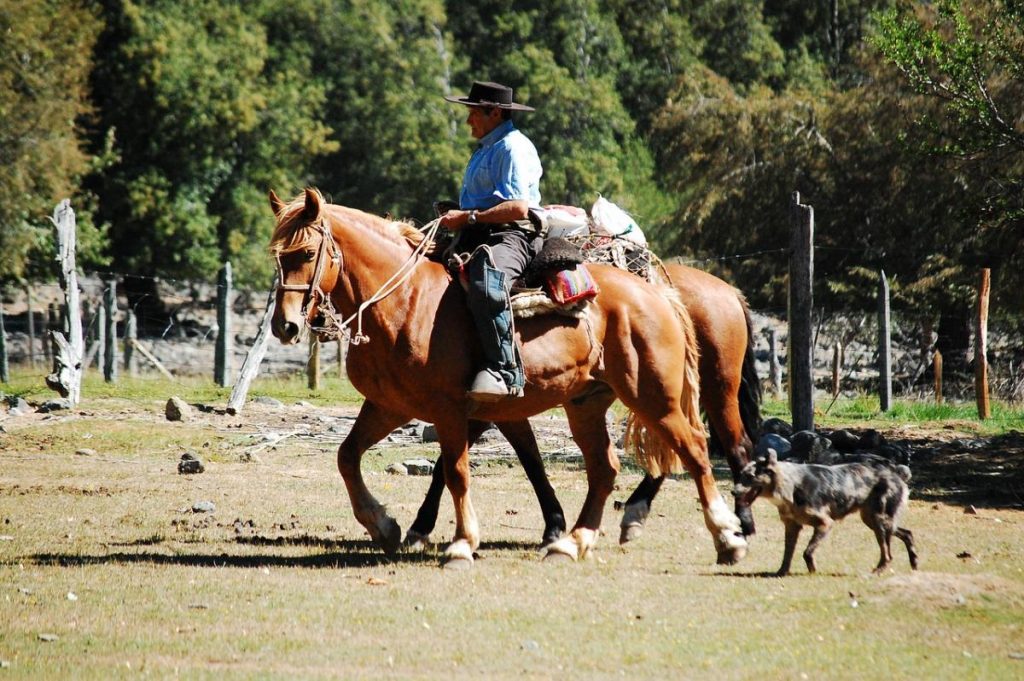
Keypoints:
pixel 589 430
pixel 418 534
pixel 371 426
pixel 520 435
pixel 455 457
pixel 638 507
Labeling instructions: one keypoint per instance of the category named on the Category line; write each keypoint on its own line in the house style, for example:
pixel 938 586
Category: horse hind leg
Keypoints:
pixel 729 436
pixel 724 525
pixel 589 430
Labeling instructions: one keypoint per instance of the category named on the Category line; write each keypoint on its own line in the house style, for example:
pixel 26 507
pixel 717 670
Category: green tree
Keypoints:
pixel 966 63
pixel 384 67
pixel 45 48
pixel 202 127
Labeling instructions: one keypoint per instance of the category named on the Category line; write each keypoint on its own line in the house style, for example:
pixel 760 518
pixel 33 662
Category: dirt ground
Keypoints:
pixel 107 570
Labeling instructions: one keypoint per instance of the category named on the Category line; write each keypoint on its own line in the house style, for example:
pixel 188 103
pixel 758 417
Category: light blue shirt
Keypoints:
pixel 504 167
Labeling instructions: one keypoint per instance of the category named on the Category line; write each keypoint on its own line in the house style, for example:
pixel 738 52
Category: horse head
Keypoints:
pixel 308 264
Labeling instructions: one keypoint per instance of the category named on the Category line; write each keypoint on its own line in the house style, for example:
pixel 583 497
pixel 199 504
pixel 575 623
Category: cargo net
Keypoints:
pixel 621 253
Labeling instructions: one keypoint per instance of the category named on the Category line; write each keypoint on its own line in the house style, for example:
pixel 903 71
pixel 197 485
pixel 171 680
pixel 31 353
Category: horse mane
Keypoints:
pixel 295 228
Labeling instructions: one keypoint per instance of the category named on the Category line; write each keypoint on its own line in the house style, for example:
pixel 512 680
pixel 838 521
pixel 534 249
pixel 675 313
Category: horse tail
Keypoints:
pixel 650 451
pixel 750 385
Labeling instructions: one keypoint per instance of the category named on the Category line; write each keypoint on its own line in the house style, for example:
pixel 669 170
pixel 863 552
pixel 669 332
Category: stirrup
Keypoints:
pixel 489 386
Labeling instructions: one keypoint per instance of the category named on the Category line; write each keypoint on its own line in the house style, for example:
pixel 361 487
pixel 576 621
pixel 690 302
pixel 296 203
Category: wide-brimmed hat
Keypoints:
pixel 490 95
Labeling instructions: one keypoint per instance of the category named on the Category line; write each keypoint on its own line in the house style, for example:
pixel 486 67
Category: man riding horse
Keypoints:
pixel 501 184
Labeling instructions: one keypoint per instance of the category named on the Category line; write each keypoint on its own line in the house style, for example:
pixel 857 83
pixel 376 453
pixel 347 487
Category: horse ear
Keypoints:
pixel 312 210
pixel 773 457
pixel 276 204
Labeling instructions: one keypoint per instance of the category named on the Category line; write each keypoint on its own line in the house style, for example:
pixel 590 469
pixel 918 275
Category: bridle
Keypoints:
pixel 314 294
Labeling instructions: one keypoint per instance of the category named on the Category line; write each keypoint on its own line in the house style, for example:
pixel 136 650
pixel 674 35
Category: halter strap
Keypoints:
pixel 326 249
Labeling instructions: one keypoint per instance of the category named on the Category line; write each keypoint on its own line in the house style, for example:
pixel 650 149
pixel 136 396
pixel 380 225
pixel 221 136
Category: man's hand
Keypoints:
pixel 455 219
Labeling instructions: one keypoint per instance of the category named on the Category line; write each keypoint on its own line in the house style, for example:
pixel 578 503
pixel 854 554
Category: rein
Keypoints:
pixel 334 327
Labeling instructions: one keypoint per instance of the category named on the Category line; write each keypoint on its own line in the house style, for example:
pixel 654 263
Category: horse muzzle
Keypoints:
pixel 287 332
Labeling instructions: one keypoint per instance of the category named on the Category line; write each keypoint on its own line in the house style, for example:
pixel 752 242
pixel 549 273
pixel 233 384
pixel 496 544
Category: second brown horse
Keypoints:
pixel 730 395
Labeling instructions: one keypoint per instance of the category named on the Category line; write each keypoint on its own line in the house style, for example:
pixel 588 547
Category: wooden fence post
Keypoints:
pixel 801 312
pixel 937 368
pixel 837 361
pixel 251 365
pixel 223 353
pixel 981 346
pixel 101 336
pixel 48 318
pixel 30 317
pixel 313 365
pixel 131 334
pixel 5 369
pixel 110 348
pixel 884 344
pixel 774 369
pixel 67 376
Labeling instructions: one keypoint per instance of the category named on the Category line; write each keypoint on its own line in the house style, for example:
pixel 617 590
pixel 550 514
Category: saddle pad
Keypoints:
pixel 569 286
pixel 535 302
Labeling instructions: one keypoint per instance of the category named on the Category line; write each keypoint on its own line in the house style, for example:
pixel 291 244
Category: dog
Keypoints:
pixel 819 496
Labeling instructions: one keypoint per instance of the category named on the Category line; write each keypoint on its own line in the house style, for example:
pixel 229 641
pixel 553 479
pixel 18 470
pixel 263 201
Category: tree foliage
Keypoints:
pixel 219 126
pixel 900 122
pixel 44 69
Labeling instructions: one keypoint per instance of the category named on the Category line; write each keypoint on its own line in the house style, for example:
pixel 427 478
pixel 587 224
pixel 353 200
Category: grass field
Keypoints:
pixel 106 572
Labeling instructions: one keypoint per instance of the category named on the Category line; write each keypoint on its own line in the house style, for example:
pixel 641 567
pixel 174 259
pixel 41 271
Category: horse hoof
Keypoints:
pixel 386 533
pixel 391 538
pixel 457 564
pixel 565 547
pixel 556 558
pixel 630 533
pixel 415 541
pixel 731 555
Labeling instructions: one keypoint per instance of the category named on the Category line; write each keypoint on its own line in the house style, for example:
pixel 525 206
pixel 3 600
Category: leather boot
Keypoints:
pixel 502 375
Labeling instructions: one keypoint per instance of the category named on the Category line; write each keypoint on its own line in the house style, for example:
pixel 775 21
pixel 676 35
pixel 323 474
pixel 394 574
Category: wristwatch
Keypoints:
pixel 472 217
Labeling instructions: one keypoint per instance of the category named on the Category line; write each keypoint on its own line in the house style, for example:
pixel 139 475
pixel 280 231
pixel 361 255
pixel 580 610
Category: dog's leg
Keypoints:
pixel 882 525
pixel 792 534
pixel 907 538
pixel 820 532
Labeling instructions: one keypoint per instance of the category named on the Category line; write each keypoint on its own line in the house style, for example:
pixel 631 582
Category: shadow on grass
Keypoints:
pixel 772 575
pixel 342 553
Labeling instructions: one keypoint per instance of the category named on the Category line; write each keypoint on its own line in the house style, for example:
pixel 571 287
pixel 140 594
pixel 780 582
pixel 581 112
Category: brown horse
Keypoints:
pixel 730 395
pixel 635 343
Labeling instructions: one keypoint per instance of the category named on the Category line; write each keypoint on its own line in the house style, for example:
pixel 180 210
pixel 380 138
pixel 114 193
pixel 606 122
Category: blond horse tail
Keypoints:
pixel 648 449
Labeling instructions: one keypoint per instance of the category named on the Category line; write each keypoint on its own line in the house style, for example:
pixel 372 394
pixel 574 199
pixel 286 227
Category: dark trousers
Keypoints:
pixel 499 257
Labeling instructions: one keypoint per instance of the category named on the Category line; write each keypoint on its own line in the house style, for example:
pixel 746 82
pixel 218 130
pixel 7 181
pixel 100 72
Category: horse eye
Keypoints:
pixel 308 255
